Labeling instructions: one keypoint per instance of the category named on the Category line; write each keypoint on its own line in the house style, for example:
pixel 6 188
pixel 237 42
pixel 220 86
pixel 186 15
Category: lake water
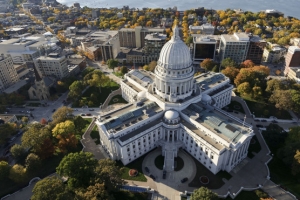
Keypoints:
pixel 288 7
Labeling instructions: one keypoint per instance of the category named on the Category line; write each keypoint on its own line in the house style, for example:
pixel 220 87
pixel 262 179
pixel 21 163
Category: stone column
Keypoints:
pixel 168 136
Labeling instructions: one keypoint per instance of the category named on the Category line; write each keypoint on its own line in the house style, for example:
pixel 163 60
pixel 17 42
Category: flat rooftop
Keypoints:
pixel 142 77
pixel 223 126
pixel 209 80
pixel 132 86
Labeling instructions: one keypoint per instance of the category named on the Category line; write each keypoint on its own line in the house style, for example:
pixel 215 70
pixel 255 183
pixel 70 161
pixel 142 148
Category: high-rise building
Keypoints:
pixel 256 49
pixel 153 44
pixel 52 65
pixel 234 46
pixel 96 13
pixel 8 73
pixel 133 38
pixel 292 63
pixel 205 46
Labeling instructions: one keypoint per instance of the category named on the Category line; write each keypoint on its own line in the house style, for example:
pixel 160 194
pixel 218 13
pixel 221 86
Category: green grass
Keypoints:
pixel 136 164
pixel 117 99
pixel 234 105
pixel 281 174
pixel 98 97
pixel 244 195
pixel 125 195
pixel 266 110
pixel 159 162
pixel 224 174
pixel 254 147
pixel 95 135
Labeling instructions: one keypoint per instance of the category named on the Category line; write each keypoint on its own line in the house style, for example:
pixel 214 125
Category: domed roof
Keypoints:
pixel 171 115
pixel 175 54
pixel 205 98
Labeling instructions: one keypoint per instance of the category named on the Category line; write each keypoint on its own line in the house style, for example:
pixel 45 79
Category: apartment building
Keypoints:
pixel 133 38
pixel 292 63
pixel 153 44
pixel 256 49
pixel 273 53
pixel 8 73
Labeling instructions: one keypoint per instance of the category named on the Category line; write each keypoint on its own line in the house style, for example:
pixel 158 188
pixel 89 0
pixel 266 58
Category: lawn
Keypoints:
pixel 136 164
pixel 266 110
pixel 117 99
pixel 245 196
pixel 253 147
pixel 93 97
pixel 215 182
pixel 234 105
pixel 95 135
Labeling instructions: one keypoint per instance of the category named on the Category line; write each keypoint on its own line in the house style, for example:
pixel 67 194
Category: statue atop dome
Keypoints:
pixel 175 35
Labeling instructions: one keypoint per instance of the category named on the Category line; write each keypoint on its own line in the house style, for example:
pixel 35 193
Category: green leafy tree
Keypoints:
pixel 18 173
pixel 24 119
pixel 32 163
pixel 112 63
pixel 282 99
pixel 4 170
pixel 80 124
pixel 124 70
pixel 97 191
pixel 98 79
pixel 63 128
pixel 231 72
pixel 189 40
pixel 228 62
pixel 18 151
pixel 244 88
pixel 62 114
pixel 152 66
pixel 6 130
pixel 78 167
pixel 204 193
pixel 207 64
pixel 76 89
pixel 51 188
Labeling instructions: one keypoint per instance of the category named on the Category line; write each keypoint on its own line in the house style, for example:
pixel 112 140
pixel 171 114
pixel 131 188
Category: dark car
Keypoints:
pixel 263 120
pixel 147 169
pixel 153 177
pixel 53 110
pixel 184 180
pixel 88 114
pixel 257 120
pixel 164 174
pixel 91 109
pixel 31 109
pixel 274 121
pixel 82 114
pixel 259 126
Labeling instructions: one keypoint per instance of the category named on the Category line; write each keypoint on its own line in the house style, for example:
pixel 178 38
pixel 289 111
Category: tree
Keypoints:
pixel 204 193
pixel 4 170
pixel 244 88
pixel 274 136
pixel 152 65
pixel 189 40
pixel 296 163
pixel 98 79
pixel 32 163
pixel 228 62
pixel 207 64
pixel 43 121
pixel 282 99
pixel 18 151
pixel 78 167
pixel 17 173
pixel 79 123
pixel 112 63
pixel 109 174
pixel 124 70
pixel 5 131
pixel 50 188
pixel 61 114
pixel 97 191
pixel 76 89
pixel 24 119
pixel 248 64
pixel 231 72
pixel 63 128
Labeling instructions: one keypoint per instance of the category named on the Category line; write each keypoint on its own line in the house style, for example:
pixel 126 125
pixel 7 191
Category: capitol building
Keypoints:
pixel 173 109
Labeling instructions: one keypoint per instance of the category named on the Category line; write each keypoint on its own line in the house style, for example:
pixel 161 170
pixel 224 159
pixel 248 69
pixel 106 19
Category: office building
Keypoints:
pixel 205 46
pixel 135 38
pixel 234 46
pixel 174 110
pixel 8 73
pixel 256 49
pixel 205 29
pixel 153 44
pixel 273 53
pixel 292 63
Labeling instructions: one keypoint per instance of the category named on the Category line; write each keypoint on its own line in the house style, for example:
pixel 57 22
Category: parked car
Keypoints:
pixel 147 170
pixel 88 114
pixel 53 110
pixel 31 109
pixel 153 177
pixel 184 180
pixel 263 120
pixel 91 109
pixel 259 126
pixel 274 121
pixel 82 114
pixel 164 174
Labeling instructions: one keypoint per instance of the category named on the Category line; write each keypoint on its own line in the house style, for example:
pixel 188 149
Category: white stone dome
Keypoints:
pixel 205 98
pixel 171 115
pixel 175 54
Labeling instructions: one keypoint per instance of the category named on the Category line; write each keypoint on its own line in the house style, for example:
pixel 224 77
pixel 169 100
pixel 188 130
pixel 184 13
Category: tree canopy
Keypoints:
pixel 207 64
pixel 112 63
pixel 61 114
pixel 204 193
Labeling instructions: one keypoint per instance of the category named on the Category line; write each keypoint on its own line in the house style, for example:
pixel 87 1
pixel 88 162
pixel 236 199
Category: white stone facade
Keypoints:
pixel 172 109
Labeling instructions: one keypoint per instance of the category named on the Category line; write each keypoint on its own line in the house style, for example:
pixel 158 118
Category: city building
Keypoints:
pixel 256 49
pixel 295 42
pixel 205 29
pixel 273 13
pixel 153 44
pixel 234 46
pixel 273 53
pixel 173 110
pixel 205 46
pixel 8 73
pixel 54 65
pixel 135 38
pixel 96 13
pixel 292 63
pixel 119 15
